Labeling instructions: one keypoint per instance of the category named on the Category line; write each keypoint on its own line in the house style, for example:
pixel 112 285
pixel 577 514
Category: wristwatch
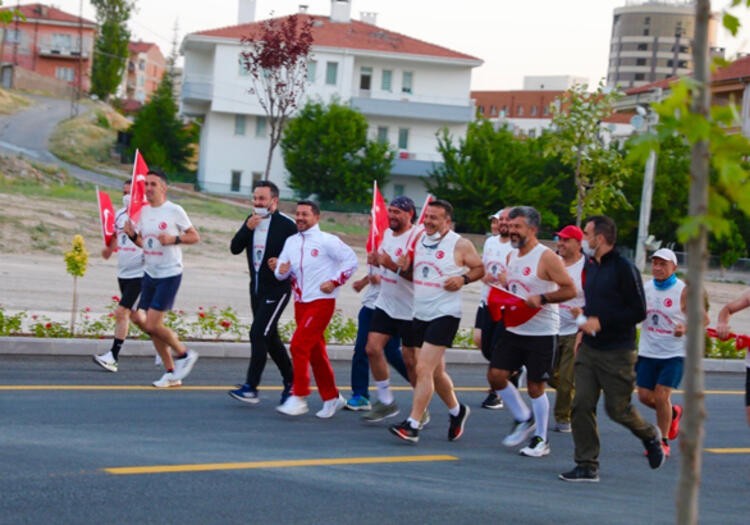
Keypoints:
pixel 543 299
pixel 177 239
pixel 466 278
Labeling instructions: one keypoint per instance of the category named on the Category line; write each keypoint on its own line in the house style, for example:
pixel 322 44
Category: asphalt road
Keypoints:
pixel 57 440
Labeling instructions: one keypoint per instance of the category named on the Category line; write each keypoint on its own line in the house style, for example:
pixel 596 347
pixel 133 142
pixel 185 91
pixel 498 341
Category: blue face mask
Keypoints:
pixel 666 283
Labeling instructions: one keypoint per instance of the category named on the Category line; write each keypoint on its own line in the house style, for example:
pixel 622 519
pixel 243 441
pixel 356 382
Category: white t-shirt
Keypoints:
pixel 663 313
pixel 396 293
pixel 169 218
pixel 433 264
pixel 259 241
pixel 495 260
pixel 129 254
pixel 568 324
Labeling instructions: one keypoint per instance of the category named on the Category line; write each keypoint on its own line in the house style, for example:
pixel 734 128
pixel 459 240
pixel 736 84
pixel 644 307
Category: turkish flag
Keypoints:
pixel 418 229
pixel 508 307
pixel 740 340
pixel 379 223
pixel 106 215
pixel 137 188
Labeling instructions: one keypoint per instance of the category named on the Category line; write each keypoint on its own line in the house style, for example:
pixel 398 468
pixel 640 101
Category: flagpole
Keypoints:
pixel 101 220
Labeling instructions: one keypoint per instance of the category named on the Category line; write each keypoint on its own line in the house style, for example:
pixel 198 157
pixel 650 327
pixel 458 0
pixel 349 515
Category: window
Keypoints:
pixel 640 76
pixel 312 70
pixel 65 73
pixel 332 73
pixel 236 180
pixel 647 20
pixel 533 111
pixel 642 47
pixel 257 175
pixel 13 35
pixel 519 110
pixel 387 80
pixel 383 134
pixel 239 124
pixel 62 41
pixel 407 82
pixel 645 32
pixel 670 63
pixel 260 126
pixel 142 65
pixel 403 138
pixel 481 110
pixel 242 68
pixel 640 61
pixel 398 190
pixel 545 110
pixel 532 133
pixel 365 78
pixel 682 64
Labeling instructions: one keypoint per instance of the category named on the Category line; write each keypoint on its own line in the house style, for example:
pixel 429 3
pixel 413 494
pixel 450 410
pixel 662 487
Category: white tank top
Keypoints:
pixel 523 280
pixel 494 257
pixel 433 264
pixel 663 312
pixel 396 293
pixel 567 321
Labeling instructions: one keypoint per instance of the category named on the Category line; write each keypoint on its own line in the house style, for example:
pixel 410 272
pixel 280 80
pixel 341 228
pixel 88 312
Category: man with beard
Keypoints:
pixel 393 307
pixel 440 259
pixel 537 275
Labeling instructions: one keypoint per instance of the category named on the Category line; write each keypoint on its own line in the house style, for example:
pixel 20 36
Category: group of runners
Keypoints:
pixel 569 319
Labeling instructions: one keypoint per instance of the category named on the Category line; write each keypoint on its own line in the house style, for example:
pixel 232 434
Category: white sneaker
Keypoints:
pixel 106 361
pixel 520 433
pixel 293 406
pixel 183 367
pixel 330 407
pixel 536 448
pixel 157 360
pixel 168 380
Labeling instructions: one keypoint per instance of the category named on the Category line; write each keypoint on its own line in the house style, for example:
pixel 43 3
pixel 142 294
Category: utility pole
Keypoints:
pixel 644 218
pixel 78 84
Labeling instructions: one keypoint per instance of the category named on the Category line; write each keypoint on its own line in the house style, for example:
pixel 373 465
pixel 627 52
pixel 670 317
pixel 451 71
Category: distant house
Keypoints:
pixel 407 89
pixel 146 66
pixel 50 42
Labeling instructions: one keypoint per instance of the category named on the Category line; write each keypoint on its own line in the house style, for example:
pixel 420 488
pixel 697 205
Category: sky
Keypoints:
pixel 514 38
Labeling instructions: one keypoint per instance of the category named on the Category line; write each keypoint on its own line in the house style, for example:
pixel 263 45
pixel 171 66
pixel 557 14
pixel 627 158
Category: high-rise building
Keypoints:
pixel 652 40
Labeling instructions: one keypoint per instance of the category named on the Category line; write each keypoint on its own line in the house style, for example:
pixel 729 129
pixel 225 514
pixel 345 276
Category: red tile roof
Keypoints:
pixel 139 47
pixel 664 84
pixel 45 12
pixel 737 70
pixel 351 35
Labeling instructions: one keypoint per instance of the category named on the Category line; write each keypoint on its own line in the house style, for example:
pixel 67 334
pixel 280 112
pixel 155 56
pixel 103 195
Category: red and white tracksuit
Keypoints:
pixel 315 257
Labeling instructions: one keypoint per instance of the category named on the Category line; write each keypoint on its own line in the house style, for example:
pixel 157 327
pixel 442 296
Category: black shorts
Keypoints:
pixel 536 352
pixel 130 289
pixel 383 323
pixel 480 319
pixel 492 334
pixel 747 388
pixel 439 332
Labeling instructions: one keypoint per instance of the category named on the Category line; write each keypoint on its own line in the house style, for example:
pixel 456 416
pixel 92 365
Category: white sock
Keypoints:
pixel 455 410
pixel 412 423
pixel 384 391
pixel 512 399
pixel 540 406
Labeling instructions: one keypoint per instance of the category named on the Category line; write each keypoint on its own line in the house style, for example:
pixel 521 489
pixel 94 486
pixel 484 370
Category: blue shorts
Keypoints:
pixel 666 372
pixel 159 294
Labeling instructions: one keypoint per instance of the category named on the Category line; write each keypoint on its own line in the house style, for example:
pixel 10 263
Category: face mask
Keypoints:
pixel 263 212
pixel 666 283
pixel 435 237
pixel 587 250
pixel 126 200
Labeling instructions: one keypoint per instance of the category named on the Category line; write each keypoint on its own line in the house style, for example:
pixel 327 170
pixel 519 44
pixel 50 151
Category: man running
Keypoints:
pixel 440 259
pixel 129 276
pixel 537 275
pixel 318 264
pixel 162 227
pixel 723 329
pixel 262 237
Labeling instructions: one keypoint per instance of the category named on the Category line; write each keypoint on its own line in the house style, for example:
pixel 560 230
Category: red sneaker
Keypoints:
pixel 674 428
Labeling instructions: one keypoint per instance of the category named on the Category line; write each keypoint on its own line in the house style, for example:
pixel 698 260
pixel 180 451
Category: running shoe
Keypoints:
pixel 404 431
pixel 330 407
pixel 357 403
pixel 674 428
pixel 520 432
pixel 654 451
pixel 293 406
pixel 168 380
pixel 493 401
pixel 183 367
pixel 581 475
pixel 456 427
pixel 562 427
pixel 245 394
pixel 106 361
pixel 536 448
pixel 381 411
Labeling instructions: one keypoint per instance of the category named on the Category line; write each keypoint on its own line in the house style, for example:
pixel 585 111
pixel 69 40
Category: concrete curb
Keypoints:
pixel 225 349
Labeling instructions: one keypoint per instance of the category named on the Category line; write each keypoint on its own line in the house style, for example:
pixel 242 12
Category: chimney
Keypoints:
pixel 303 8
pixel 369 17
pixel 246 11
pixel 341 11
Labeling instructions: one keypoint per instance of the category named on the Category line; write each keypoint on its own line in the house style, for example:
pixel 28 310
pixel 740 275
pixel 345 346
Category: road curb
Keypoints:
pixel 225 349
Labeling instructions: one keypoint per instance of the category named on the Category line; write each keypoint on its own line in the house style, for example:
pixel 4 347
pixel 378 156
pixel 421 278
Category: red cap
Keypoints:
pixel 571 232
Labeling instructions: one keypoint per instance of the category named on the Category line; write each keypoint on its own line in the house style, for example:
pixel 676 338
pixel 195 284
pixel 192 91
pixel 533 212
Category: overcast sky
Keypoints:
pixel 514 37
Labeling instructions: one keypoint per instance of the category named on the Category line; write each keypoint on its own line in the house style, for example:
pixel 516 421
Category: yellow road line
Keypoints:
pixel 728 450
pixel 204 467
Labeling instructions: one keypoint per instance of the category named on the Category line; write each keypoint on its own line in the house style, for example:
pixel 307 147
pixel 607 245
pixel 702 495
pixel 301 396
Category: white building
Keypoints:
pixel 406 88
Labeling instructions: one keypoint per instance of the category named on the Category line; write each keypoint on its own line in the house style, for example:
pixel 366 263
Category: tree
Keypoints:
pixel 490 168
pixel 277 63
pixel 7 15
pixel 157 131
pixel 111 47
pixel 599 170
pixel 76 263
pixel 327 152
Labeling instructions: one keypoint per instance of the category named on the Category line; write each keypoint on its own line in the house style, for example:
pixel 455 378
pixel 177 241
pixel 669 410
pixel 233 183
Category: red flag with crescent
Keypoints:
pixel 379 223
pixel 137 188
pixel 508 307
pixel 416 232
pixel 106 215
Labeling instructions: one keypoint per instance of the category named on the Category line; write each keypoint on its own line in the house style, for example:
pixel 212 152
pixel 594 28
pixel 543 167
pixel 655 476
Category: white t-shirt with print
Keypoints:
pixel 170 218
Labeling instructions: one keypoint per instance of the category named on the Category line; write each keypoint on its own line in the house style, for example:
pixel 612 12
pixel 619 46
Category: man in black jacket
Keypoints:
pixel 262 237
pixel 605 361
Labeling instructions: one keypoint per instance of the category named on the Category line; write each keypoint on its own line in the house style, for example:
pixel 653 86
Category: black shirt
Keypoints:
pixel 614 293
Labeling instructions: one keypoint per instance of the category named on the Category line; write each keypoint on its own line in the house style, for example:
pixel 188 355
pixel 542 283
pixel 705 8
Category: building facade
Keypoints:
pixel 406 88
pixel 652 40
pixel 146 66
pixel 50 42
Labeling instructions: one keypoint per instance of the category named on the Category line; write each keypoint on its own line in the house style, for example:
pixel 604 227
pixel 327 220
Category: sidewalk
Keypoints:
pixel 87 347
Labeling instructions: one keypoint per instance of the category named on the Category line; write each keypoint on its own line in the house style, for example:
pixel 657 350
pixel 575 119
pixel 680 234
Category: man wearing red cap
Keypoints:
pixel 569 250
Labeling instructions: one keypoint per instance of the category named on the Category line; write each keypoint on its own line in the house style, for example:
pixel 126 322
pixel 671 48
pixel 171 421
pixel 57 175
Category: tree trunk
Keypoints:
pixel 75 306
pixel 691 433
pixel 271 147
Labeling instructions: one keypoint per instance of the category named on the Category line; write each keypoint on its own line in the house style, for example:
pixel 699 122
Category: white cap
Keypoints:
pixel 666 254
pixel 497 214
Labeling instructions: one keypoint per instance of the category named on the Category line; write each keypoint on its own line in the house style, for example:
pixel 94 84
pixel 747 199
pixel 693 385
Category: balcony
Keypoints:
pixel 406 164
pixel 446 113
pixel 71 52
pixel 197 88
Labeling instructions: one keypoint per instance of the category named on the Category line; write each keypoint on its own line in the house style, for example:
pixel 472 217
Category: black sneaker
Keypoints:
pixel 404 431
pixel 456 428
pixel 581 475
pixel 492 401
pixel 654 451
